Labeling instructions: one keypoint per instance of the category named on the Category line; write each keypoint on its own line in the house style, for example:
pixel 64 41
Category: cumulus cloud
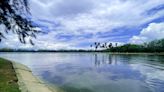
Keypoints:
pixel 152 32
pixel 76 24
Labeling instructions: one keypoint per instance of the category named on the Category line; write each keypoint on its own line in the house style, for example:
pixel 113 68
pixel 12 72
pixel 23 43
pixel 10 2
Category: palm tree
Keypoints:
pixel 96 45
pixel 105 45
pixel 116 44
pixel 110 45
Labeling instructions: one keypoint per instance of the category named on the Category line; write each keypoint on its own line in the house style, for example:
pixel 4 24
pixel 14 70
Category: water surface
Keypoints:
pixel 96 72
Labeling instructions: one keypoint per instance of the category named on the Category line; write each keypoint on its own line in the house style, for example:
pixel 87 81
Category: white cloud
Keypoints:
pixel 49 41
pixel 95 15
pixel 109 15
pixel 152 32
pixel 80 18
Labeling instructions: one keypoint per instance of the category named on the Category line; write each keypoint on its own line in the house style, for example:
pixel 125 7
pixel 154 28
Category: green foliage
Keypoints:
pixel 128 48
pixel 153 46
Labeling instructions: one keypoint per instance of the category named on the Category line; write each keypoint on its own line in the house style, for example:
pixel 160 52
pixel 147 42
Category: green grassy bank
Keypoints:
pixel 8 79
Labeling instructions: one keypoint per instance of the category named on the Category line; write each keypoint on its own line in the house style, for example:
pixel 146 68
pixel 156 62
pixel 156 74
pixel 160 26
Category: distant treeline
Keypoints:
pixel 150 47
pixel 153 46
pixel 26 50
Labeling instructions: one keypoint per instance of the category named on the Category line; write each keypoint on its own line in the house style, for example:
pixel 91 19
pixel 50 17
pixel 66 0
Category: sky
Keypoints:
pixel 76 24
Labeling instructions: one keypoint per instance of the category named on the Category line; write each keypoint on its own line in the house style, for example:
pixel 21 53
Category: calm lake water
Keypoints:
pixel 96 72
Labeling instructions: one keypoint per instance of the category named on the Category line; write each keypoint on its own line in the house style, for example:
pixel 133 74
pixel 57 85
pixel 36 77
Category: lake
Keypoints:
pixel 96 72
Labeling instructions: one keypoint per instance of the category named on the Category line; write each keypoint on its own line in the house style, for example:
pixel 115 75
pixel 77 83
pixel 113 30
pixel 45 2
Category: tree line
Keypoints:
pixel 153 46
pixel 150 47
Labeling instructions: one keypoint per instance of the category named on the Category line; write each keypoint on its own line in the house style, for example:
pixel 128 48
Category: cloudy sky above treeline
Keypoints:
pixel 76 24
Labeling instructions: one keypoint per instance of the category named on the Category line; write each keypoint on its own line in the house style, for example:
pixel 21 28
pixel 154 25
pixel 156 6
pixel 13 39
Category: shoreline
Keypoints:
pixel 115 53
pixel 28 82
pixel 136 53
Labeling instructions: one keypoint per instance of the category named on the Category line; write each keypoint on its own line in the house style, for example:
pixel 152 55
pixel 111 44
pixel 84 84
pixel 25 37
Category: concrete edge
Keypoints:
pixel 28 85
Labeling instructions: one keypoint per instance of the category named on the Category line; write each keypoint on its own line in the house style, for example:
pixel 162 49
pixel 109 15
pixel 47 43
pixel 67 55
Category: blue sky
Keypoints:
pixel 75 24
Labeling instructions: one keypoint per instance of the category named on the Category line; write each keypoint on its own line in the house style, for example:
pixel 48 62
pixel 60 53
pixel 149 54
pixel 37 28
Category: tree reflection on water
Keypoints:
pixel 105 59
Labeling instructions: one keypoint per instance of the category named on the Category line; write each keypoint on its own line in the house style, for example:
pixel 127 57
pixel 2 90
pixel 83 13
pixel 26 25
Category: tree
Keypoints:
pixel 97 44
pixel 14 16
pixel 153 46
pixel 116 44
pixel 110 45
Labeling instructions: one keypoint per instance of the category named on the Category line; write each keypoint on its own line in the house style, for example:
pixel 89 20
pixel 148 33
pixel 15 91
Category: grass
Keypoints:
pixel 8 79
